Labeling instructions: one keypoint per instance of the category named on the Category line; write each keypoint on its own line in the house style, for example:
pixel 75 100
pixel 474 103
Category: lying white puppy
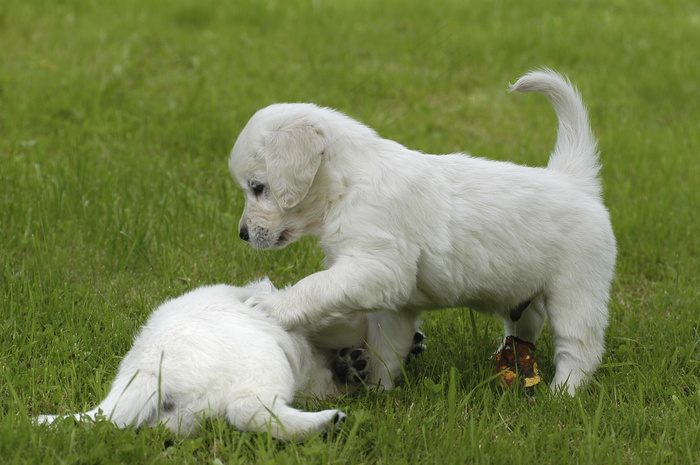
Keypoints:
pixel 206 354
pixel 403 231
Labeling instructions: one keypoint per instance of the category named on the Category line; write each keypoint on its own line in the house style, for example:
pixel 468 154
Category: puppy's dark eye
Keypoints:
pixel 257 188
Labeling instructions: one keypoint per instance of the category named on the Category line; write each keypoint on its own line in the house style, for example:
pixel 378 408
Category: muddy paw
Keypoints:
pixel 351 365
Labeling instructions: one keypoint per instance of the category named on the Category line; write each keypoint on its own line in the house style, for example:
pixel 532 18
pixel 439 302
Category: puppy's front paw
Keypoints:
pixel 256 301
pixel 339 419
pixel 351 365
pixel 273 305
pixel 335 424
pixel 266 303
pixel 417 346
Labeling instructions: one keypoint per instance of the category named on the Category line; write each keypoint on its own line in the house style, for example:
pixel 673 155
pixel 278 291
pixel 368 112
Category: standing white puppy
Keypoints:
pixel 205 355
pixel 404 231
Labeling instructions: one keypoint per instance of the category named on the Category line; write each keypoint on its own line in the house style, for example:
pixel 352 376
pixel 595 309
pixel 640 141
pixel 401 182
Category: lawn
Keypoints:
pixel 116 120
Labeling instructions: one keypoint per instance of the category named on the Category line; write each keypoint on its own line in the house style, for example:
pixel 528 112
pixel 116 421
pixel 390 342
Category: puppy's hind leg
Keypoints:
pixel 131 402
pixel 282 421
pixel 578 322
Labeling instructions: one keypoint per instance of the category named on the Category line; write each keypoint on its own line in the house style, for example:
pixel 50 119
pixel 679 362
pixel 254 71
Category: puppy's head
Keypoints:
pixel 274 161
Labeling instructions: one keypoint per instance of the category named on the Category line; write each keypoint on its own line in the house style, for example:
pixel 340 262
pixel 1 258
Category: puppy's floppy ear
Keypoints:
pixel 293 155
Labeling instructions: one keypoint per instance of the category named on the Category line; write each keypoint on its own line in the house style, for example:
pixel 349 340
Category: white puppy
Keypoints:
pixel 206 354
pixel 404 231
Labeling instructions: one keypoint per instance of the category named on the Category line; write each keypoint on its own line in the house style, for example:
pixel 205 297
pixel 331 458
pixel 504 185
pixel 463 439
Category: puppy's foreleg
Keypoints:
pixel 351 285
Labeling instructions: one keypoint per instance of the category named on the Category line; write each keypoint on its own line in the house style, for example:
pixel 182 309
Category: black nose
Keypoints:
pixel 243 233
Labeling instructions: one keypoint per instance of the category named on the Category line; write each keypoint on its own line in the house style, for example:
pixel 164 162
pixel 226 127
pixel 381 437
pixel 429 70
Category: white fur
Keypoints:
pixel 206 354
pixel 404 231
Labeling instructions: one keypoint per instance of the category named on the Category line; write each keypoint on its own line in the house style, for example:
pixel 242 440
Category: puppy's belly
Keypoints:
pixel 499 306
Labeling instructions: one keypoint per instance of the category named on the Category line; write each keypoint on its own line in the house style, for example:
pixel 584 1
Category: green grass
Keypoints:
pixel 116 119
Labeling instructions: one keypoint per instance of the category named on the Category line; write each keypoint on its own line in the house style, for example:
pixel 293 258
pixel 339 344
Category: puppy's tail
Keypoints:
pixel 130 403
pixel 576 150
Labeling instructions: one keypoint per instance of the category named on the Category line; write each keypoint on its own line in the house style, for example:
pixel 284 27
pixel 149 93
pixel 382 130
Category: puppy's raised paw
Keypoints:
pixel 351 365
pixel 267 303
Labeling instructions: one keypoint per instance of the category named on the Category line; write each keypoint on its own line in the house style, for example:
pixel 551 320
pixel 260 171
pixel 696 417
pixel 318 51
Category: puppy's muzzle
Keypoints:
pixel 261 238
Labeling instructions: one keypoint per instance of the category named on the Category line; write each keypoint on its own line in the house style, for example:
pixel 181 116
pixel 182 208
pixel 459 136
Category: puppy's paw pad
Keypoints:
pixel 418 345
pixel 351 365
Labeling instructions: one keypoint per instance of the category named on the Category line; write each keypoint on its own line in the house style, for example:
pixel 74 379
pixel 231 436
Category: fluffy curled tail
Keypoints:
pixel 576 150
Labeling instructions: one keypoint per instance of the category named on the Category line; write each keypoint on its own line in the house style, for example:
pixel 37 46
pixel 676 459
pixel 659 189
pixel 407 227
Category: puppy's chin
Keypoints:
pixel 282 242
pixel 266 243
